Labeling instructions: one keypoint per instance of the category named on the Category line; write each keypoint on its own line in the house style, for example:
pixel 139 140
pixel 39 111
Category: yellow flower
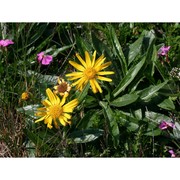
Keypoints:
pixel 62 88
pixel 25 96
pixel 55 110
pixel 89 72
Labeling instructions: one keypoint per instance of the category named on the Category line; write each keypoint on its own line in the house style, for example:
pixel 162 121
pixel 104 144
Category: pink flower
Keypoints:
pixel 172 153
pixel 163 50
pixel 166 125
pixel 5 42
pixel 44 59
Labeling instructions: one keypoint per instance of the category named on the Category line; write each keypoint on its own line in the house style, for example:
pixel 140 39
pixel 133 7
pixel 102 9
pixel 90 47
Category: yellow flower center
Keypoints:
pixel 90 73
pixel 62 87
pixel 55 111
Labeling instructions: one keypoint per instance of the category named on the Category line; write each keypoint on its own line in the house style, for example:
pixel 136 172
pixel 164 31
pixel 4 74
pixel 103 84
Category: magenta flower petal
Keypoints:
pixel 6 42
pixel 40 56
pixel 165 125
pixel 172 153
pixel 47 60
pixel 164 50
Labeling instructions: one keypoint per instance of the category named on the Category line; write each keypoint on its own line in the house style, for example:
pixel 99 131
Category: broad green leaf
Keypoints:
pixel 29 110
pixel 84 136
pixel 131 74
pixel 47 79
pixel 153 132
pixel 153 120
pixel 151 91
pixel 134 49
pixel 167 104
pixel 124 100
pixel 118 49
pixel 113 126
pixel 125 119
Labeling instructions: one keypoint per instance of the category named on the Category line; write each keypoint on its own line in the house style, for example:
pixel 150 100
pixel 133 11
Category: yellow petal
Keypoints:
pixel 56 124
pixel 69 107
pixel 68 116
pixel 97 85
pixel 40 113
pixel 81 80
pixel 61 120
pixel 81 60
pixel 77 66
pixel 48 120
pixel 51 96
pixel 42 118
pixel 46 103
pixel 105 72
pixel 63 100
pixel 81 83
pixel 103 66
pixel 104 78
pixel 49 126
pixel 93 58
pixel 76 75
pixel 60 80
pixel 100 60
pixel 88 60
pixel 93 86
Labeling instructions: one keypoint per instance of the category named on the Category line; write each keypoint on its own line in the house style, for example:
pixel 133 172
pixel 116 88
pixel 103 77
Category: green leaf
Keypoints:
pixel 134 50
pixel 167 104
pixel 46 79
pixel 99 45
pixel 84 136
pixel 118 49
pixel 29 110
pixel 113 126
pixel 81 95
pixel 176 131
pixel 57 51
pixel 124 100
pixel 151 91
pixel 125 119
pixel 131 74
pixel 90 120
pixel 156 118
pixel 153 120
pixel 38 140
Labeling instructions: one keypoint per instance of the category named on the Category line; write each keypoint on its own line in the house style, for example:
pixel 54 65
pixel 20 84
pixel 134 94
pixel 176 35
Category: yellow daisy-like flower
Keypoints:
pixel 55 110
pixel 90 71
pixel 62 88
pixel 25 96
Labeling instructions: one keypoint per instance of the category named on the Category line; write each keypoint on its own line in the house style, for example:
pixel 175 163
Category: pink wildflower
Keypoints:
pixel 166 125
pixel 44 59
pixel 5 42
pixel 172 153
pixel 163 50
